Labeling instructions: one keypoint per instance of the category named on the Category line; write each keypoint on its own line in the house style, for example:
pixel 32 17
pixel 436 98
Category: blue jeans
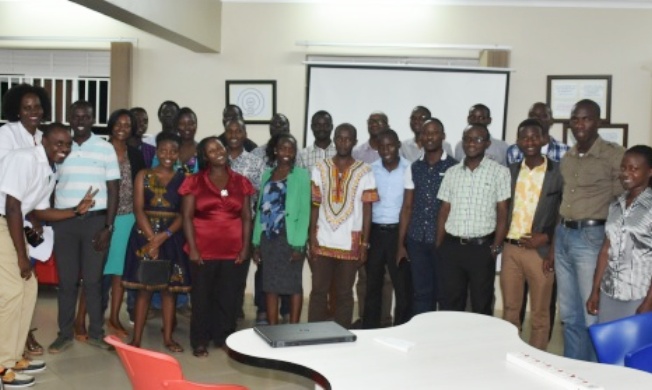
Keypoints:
pixel 423 263
pixel 576 254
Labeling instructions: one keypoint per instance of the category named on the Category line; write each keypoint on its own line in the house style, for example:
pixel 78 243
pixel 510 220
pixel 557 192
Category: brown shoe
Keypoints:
pixel 31 345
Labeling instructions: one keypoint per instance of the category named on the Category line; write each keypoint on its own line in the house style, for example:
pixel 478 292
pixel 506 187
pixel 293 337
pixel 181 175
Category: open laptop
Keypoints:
pixel 311 333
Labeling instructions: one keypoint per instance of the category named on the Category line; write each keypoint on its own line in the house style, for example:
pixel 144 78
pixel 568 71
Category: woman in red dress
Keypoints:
pixel 217 224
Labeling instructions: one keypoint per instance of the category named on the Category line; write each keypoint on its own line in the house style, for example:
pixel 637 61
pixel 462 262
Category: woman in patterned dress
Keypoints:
pixel 157 235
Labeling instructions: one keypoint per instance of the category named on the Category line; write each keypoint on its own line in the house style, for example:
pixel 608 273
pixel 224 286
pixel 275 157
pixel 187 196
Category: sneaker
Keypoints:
pixel 25 366
pixel 59 345
pixel 13 380
pixel 100 343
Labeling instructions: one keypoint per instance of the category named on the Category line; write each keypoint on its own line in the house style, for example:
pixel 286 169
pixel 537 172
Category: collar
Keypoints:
pixel 443 157
pixel 644 199
pixel 594 150
pixel 482 163
pixel 41 156
pixel 330 146
pixel 546 161
pixel 402 162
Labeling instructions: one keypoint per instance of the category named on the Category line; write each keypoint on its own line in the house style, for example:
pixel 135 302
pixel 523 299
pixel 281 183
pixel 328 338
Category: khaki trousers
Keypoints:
pixel 17 301
pixel 518 266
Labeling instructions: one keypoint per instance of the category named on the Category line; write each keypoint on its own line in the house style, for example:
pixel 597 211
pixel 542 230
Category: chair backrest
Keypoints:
pixel 640 359
pixel 613 340
pixel 147 370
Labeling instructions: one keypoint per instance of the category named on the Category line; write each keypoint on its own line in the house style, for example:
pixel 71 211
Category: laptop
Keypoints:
pixel 311 333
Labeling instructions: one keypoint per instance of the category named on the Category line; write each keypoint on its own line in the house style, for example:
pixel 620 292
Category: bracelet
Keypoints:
pixel 168 232
pixel 77 213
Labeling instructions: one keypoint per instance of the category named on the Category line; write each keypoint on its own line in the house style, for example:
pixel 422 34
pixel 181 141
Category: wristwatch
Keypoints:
pixel 496 249
pixel 77 213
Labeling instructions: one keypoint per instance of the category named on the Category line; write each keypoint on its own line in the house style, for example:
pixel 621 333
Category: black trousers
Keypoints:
pixel 383 243
pixel 214 301
pixel 466 267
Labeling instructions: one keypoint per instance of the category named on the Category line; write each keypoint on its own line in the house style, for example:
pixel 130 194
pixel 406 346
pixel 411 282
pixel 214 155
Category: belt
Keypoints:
pixel 95 213
pixel 385 226
pixel 512 241
pixel 582 223
pixel 471 240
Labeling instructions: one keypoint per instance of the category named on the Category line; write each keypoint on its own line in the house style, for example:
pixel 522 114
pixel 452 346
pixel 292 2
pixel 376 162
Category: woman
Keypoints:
pixel 281 227
pixel 186 125
pixel 216 197
pixel 25 106
pixel 122 125
pixel 157 235
pixel 622 284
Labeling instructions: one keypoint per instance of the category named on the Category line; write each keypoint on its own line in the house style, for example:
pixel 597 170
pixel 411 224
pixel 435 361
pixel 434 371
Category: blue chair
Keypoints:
pixel 613 340
pixel 641 359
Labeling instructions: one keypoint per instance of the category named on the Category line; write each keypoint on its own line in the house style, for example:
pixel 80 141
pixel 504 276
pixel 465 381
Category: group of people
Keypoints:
pixel 407 219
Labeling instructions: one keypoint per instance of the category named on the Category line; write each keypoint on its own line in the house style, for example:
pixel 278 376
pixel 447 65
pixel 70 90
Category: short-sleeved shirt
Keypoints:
pixel 365 153
pixel 591 180
pixel 340 197
pixel 14 135
pixel 497 151
pixel 92 163
pixel 218 214
pixel 411 150
pixel 473 195
pixel 390 190
pixel 425 179
pixel 248 166
pixel 309 156
pixel 554 150
pixel 25 174
pixel 629 270
pixel 526 199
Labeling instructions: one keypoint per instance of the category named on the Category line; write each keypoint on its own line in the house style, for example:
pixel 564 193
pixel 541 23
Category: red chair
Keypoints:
pixel 149 370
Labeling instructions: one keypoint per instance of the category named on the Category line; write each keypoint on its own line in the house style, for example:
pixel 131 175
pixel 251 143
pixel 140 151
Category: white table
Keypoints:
pixel 452 351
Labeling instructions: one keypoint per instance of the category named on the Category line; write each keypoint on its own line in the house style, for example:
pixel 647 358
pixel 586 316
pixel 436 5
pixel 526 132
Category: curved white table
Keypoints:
pixel 452 351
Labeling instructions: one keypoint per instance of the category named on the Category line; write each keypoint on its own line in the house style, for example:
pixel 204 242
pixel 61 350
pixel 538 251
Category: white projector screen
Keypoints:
pixel 351 93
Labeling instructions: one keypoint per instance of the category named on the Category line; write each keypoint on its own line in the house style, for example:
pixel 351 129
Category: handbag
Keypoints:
pixel 154 272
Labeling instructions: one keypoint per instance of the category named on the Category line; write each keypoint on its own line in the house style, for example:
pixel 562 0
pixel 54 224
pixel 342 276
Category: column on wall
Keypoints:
pixel 121 59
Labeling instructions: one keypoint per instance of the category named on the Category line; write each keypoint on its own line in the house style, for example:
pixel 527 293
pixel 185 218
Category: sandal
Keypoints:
pixel 200 352
pixel 120 332
pixel 31 345
pixel 174 347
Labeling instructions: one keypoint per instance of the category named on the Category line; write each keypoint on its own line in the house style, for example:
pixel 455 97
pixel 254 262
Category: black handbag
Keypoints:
pixel 154 272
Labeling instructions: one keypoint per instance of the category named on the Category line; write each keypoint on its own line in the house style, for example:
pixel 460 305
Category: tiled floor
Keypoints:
pixel 86 367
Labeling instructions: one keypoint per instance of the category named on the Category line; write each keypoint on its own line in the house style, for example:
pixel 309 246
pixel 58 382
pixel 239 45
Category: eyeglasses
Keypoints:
pixel 473 140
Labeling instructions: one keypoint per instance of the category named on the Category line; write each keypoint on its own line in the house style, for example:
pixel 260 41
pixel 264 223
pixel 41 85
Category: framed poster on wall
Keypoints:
pixel 256 99
pixel 564 91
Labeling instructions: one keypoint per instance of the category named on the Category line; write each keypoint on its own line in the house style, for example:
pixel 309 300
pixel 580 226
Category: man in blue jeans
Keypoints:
pixel 590 171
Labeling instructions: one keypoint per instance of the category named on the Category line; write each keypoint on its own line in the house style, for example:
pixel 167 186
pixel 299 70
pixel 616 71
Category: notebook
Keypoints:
pixel 290 335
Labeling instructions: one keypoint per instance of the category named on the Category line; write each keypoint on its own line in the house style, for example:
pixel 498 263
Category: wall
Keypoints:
pixel 258 42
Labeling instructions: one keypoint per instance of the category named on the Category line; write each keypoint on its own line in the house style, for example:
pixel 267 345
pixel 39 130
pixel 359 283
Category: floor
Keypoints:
pixel 86 367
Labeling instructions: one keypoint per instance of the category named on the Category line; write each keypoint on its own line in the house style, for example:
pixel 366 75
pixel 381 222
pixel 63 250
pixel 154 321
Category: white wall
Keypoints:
pixel 258 42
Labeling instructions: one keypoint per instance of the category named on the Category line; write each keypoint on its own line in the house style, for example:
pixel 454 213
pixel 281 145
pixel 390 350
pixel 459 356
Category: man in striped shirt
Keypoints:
pixel 81 243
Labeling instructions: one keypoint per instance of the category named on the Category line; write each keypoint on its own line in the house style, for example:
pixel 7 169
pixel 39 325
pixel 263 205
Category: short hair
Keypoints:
pixel 81 104
pixel 54 127
pixel 530 122
pixel 389 133
pixel 138 110
pixel 434 120
pixel 239 121
pixel 167 136
pixel 482 107
pixel 274 141
pixel 319 114
pixel 424 109
pixel 347 126
pixel 202 159
pixel 184 111
pixel 113 119
pixel 381 114
pixel 645 152
pixel 12 100
pixel 478 125
pixel 590 104
pixel 167 103
pixel 232 106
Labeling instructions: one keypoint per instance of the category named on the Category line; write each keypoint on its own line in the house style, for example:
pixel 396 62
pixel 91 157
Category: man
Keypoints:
pixel 167 115
pixel 536 196
pixel 497 150
pixel 411 148
pixel 27 178
pixel 419 213
pixel 472 224
pixel 136 139
pixel 383 240
pixel 368 152
pixel 230 113
pixel 323 147
pixel 551 148
pixel 590 171
pixel 279 124
pixel 342 192
pixel 81 243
